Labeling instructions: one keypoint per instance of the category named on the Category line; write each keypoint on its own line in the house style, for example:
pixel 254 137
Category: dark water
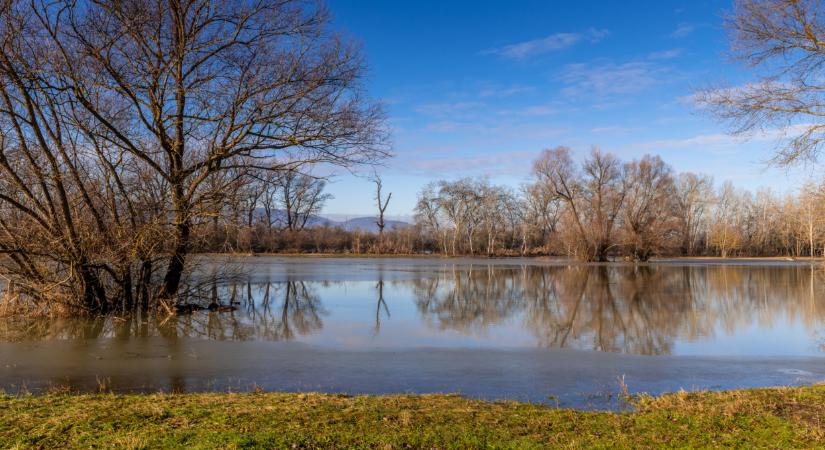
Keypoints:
pixel 516 329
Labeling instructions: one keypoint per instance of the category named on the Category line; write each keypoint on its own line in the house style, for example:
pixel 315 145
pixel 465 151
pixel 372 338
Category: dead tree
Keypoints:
pixel 382 204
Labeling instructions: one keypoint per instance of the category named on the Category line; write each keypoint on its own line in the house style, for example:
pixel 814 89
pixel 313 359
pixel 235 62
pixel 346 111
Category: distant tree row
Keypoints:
pixel 604 208
pixel 597 210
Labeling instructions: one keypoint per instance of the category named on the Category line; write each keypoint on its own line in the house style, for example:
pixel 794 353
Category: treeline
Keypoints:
pixel 595 210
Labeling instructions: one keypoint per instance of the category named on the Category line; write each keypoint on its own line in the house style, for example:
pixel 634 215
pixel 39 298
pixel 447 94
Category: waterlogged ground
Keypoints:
pixel 525 329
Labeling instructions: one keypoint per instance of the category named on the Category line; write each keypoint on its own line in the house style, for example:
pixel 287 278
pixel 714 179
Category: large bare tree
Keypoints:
pixel 594 196
pixel 104 100
pixel 649 221
pixel 783 41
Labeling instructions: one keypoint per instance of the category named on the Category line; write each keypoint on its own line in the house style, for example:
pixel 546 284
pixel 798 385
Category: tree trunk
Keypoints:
pixel 177 262
pixel 145 281
pixel 94 296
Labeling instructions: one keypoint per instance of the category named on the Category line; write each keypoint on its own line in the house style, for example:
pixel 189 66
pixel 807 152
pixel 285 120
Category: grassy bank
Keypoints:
pixel 774 418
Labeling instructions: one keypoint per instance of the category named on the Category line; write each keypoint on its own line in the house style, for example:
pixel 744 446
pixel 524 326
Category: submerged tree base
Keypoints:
pixel 774 418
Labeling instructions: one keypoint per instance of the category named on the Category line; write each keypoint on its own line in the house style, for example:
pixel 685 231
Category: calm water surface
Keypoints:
pixel 517 329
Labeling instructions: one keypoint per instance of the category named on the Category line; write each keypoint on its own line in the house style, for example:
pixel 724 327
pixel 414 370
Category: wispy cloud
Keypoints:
pixel 607 79
pixel 683 30
pixel 701 98
pixel 496 91
pixel 665 54
pixel 712 140
pixel 543 109
pixel 724 140
pixel 553 42
pixel 613 129
pixel 499 163
pixel 443 126
pixel 449 109
pixel 496 128
pixel 537 110
pixel 597 34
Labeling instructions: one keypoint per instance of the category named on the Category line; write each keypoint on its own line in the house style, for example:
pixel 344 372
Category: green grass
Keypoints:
pixel 762 418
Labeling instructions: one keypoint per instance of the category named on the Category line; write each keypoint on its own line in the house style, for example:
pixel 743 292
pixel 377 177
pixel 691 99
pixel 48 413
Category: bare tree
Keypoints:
pixel 694 194
pixel 648 220
pixel 456 200
pixel 270 197
pixel 493 212
pixel 729 211
pixel 382 203
pixel 301 197
pixel 103 100
pixel 783 40
pixel 543 209
pixel 428 214
pixel 594 196
pixel 810 213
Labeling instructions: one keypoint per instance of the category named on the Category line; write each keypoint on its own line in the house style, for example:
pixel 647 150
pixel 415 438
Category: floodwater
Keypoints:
pixel 524 329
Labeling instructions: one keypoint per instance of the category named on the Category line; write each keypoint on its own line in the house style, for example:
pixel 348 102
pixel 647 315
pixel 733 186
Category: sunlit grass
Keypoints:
pixel 771 418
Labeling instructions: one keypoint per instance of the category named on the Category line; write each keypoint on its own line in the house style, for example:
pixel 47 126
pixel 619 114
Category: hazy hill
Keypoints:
pixel 354 224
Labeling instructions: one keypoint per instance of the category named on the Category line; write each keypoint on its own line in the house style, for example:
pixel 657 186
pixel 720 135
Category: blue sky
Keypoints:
pixel 479 88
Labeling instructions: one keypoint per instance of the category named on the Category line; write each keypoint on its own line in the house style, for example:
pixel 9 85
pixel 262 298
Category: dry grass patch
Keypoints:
pixel 762 418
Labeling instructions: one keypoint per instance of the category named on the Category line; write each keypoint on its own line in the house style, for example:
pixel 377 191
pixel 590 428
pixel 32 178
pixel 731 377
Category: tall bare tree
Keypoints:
pixel 543 209
pixel 103 99
pixel 382 203
pixel 428 214
pixel 301 197
pixel 648 220
pixel 594 195
pixel 783 41
pixel 694 195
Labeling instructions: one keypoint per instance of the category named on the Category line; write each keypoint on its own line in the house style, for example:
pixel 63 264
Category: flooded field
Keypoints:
pixel 537 330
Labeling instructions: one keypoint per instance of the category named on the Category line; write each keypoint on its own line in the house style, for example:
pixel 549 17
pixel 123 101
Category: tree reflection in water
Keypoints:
pixel 269 311
pixel 638 309
pixel 378 306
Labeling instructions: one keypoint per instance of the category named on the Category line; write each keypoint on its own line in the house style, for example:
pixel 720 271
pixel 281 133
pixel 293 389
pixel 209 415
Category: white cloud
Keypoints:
pixel 550 43
pixel 715 140
pixel 597 34
pixel 538 110
pixel 444 126
pixel 504 91
pixel 613 129
pixel 724 140
pixel 528 111
pixel 610 78
pixel 746 90
pixel 665 54
pixel 512 162
pixel 553 42
pixel 683 30
pixel 449 109
pixel 498 128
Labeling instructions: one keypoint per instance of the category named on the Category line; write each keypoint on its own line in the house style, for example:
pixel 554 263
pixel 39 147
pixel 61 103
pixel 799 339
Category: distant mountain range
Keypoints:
pixel 355 224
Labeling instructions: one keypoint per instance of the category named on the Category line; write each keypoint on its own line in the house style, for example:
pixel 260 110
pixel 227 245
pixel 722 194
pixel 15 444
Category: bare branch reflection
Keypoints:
pixel 381 304
pixel 637 309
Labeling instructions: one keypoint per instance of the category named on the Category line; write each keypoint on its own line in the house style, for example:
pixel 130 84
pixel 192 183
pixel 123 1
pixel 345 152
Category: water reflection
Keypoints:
pixel 640 310
pixel 646 309
pixel 267 311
